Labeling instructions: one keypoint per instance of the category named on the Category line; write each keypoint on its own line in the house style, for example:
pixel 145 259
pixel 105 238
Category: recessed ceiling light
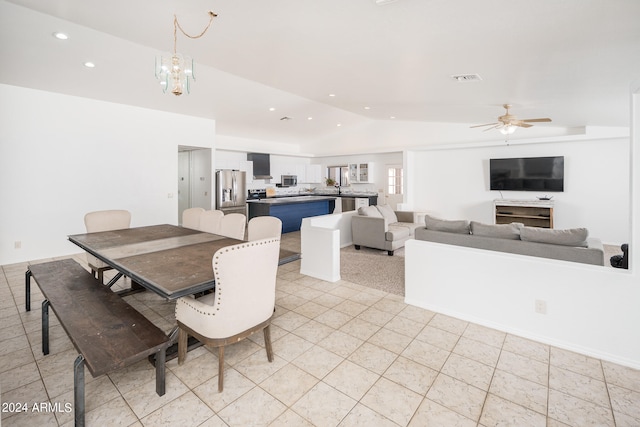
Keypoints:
pixel 367 108
pixel 392 117
pixel 272 109
pixel 309 118
pixel 332 94
pixel 339 124
pixel 60 36
pixel 89 64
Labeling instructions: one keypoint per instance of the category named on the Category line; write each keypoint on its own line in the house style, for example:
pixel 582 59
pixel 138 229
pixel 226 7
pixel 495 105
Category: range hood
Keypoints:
pixel 261 165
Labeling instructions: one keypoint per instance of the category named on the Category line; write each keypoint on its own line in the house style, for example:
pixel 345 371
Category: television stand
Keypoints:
pixel 532 213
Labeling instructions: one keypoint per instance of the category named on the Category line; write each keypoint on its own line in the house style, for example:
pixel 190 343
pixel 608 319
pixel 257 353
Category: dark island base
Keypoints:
pixel 291 214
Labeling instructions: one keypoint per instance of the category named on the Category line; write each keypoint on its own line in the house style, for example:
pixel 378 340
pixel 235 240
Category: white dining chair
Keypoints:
pixel 233 225
pixel 107 220
pixel 241 304
pixel 210 221
pixel 191 218
pixel 261 227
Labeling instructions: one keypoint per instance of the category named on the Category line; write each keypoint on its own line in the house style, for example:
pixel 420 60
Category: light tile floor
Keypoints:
pixel 345 355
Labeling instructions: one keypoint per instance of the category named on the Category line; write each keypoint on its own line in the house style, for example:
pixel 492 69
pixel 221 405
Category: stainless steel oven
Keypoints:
pixel 289 180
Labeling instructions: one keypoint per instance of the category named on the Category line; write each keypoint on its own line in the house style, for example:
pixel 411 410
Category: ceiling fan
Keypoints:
pixel 508 123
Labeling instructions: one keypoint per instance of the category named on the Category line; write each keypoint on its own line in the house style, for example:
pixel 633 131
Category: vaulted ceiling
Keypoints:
pixel 331 65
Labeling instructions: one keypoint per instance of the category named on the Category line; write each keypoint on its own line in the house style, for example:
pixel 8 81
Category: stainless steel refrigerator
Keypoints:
pixel 231 191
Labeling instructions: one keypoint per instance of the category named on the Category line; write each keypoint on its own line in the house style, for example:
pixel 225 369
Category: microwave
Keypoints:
pixel 289 180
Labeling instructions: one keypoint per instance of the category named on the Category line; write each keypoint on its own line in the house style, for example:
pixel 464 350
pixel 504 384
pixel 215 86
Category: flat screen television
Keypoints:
pixel 544 174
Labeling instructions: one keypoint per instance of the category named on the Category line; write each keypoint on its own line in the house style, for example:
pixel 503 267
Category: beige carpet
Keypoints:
pixel 373 268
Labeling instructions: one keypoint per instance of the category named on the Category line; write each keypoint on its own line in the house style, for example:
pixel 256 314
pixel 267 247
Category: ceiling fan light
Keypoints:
pixel 508 129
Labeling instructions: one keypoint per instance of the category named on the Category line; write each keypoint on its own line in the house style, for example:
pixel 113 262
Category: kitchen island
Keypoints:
pixel 291 210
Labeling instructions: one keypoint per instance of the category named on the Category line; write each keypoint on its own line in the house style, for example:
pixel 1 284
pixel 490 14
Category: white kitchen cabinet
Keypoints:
pixel 301 172
pixel 360 172
pixel 362 202
pixel 247 167
pixel 313 174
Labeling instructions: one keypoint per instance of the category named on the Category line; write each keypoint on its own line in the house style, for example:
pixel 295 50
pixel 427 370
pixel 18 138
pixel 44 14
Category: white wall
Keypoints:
pixel 62 156
pixel 454 183
pixel 590 309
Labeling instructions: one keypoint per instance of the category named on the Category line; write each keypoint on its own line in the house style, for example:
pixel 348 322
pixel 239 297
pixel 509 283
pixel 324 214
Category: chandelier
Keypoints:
pixel 176 70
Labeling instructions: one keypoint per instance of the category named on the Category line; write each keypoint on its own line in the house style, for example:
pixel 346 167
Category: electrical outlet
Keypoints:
pixel 17 244
pixel 541 306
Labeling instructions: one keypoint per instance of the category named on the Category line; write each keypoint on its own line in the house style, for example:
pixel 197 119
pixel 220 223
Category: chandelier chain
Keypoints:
pixel 177 25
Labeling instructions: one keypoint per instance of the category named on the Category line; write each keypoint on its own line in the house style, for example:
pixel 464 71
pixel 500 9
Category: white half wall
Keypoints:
pixel 590 309
pixel 62 156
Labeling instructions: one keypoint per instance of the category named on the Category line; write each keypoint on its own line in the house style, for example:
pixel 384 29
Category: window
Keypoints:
pixel 339 174
pixel 395 180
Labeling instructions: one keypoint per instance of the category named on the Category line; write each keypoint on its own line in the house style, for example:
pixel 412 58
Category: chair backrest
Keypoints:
pixel 262 227
pixel 107 220
pixel 233 225
pixel 210 221
pixel 245 285
pixel 191 218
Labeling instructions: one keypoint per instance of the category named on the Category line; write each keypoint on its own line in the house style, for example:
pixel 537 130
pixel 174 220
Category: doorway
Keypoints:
pixel 194 179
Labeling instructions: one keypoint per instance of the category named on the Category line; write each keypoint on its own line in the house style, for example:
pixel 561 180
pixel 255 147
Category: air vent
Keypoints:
pixel 285 118
pixel 463 78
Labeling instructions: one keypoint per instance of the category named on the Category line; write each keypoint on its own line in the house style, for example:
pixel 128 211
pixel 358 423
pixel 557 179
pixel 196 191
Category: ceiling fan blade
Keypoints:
pixel 497 126
pixel 488 124
pixel 523 125
pixel 546 119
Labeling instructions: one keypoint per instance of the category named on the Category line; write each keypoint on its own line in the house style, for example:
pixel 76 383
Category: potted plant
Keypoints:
pixel 330 182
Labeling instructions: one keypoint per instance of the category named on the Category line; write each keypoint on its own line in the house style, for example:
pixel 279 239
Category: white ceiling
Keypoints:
pixel 571 60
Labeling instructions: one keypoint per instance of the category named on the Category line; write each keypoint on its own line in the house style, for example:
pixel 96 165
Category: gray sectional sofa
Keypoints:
pixel 568 245
pixel 380 227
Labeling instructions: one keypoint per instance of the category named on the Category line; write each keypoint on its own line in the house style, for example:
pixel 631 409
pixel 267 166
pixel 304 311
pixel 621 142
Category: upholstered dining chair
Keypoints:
pixel 191 218
pixel 106 220
pixel 210 221
pixel 241 304
pixel 233 225
pixel 261 227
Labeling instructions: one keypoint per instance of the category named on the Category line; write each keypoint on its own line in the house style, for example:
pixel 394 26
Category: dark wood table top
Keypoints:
pixel 169 260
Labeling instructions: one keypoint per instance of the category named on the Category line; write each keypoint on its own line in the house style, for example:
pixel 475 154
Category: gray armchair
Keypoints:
pixel 380 227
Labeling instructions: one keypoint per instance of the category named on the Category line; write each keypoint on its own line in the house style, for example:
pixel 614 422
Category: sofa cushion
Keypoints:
pixel 498 231
pixel 459 226
pixel 387 213
pixel 412 226
pixel 569 237
pixel 370 211
pixel 397 232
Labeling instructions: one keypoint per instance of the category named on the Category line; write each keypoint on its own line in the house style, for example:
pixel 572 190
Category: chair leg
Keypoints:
pixel 267 342
pixel 182 345
pixel 220 367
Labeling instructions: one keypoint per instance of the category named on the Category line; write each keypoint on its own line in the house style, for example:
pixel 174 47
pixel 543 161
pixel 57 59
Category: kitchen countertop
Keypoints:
pixel 350 194
pixel 291 200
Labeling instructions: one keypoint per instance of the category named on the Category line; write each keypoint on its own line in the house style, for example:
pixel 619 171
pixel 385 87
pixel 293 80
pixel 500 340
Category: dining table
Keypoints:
pixel 170 260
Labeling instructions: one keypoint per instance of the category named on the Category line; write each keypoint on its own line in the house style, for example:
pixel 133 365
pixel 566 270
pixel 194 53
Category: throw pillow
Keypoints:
pixel 388 214
pixel 569 237
pixel 369 211
pixel 459 226
pixel 498 231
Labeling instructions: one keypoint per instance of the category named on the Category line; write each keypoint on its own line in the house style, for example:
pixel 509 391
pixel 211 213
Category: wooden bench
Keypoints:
pixel 106 331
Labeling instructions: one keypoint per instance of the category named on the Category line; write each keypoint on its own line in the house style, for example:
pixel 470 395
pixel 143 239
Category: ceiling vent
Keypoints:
pixel 466 78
